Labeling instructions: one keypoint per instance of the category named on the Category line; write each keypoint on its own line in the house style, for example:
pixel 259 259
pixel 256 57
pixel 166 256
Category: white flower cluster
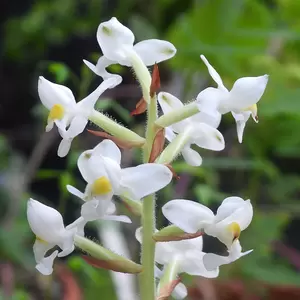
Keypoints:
pixel 100 167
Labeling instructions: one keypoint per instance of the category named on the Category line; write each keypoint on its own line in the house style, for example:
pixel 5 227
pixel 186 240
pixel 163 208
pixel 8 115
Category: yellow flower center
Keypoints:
pixel 57 112
pixel 235 229
pixel 101 186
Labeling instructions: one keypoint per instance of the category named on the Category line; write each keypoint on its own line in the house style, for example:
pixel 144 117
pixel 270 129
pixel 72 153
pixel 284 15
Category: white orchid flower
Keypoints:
pixel 100 168
pixel 213 261
pixel 185 256
pixel 48 226
pixel 199 127
pixel 70 117
pixel 241 100
pixel 233 216
pixel 116 42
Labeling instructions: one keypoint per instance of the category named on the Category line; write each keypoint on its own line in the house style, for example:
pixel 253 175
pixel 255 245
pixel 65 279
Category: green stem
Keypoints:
pixel 147 279
pixel 147 283
pixel 177 115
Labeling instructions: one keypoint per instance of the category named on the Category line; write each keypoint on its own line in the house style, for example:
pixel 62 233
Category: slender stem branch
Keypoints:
pixel 177 115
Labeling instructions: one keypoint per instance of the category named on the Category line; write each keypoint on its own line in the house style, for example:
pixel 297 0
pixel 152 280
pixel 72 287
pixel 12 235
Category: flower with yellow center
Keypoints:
pixel 70 117
pixel 100 168
pixel 116 42
pixel 233 216
pixel 48 226
pixel 241 100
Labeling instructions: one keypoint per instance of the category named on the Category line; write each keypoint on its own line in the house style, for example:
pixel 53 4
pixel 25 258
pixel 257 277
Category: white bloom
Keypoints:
pixel 47 224
pixel 241 100
pixel 116 42
pixel 100 168
pixel 213 261
pixel 186 256
pixel 199 127
pixel 70 117
pixel 233 216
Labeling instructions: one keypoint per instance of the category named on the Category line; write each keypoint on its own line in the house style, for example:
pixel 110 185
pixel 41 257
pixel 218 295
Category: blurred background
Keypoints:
pixel 239 38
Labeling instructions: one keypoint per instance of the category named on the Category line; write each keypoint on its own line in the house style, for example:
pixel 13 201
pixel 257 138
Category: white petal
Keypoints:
pixel 64 147
pixel 74 191
pixel 180 291
pixel 138 234
pixel 100 69
pixel 188 215
pixel 208 137
pixel 86 105
pixel 193 264
pixel 114 38
pixel 241 119
pixel 169 134
pixel 154 51
pixel 213 73
pixel 78 225
pixel 247 91
pixel 51 93
pixel 235 209
pixel 209 102
pixel 84 166
pixel 67 243
pixel 140 181
pixel 94 209
pixel 123 219
pixel 168 102
pixel 40 248
pixel 191 156
pixel 45 266
pixel 77 126
pixel 45 222
pixel 108 149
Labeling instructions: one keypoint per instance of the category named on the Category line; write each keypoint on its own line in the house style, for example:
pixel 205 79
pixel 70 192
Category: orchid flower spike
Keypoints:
pixel 48 226
pixel 233 216
pixel 200 129
pixel 241 100
pixel 70 117
pixel 100 168
pixel 184 256
pixel 116 42
pixel 213 261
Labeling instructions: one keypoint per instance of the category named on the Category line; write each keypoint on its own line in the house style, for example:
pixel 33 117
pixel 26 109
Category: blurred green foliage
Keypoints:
pixel 240 38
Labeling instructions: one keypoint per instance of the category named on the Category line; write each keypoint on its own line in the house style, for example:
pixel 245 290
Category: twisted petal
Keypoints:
pixel 192 157
pixel 100 69
pixel 246 91
pixel 140 181
pixel 40 248
pixel 45 266
pixel 241 119
pixel 154 51
pixel 86 105
pixel 51 93
pixel 188 215
pixel 45 222
pixel 213 73
pixel 114 38
pixel 94 209
pixel 121 218
pixel 213 261
pixel 67 243
pixel 108 149
pixel 208 137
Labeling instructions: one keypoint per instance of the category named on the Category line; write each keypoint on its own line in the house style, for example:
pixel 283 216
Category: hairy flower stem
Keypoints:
pixel 147 281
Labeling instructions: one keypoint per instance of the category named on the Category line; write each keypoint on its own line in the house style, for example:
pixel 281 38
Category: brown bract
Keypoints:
pixel 140 108
pixel 155 82
pixel 167 290
pixel 158 145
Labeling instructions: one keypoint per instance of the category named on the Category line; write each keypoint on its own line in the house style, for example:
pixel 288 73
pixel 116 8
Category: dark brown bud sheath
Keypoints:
pixel 173 171
pixel 155 82
pixel 121 143
pixel 140 108
pixel 158 145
